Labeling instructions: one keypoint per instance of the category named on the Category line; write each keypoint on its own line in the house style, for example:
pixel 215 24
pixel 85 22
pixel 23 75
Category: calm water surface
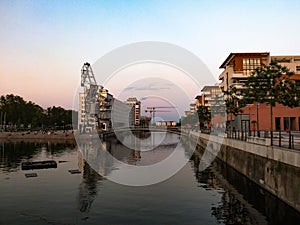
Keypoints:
pixel 217 195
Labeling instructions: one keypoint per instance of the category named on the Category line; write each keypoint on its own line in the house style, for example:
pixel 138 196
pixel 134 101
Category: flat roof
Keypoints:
pixel 233 54
pixel 210 87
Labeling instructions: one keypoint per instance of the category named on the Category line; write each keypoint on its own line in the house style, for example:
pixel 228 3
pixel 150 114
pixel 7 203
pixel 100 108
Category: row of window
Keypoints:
pixel 249 65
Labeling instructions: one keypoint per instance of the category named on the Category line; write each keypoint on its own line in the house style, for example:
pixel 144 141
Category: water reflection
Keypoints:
pixel 242 202
pixel 230 210
pixel 217 195
pixel 13 153
pixel 110 154
pixel 88 188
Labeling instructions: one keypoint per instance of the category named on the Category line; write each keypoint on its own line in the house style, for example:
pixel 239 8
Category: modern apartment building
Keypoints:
pixel 210 94
pixel 87 113
pixel 136 105
pixel 107 113
pixel 236 68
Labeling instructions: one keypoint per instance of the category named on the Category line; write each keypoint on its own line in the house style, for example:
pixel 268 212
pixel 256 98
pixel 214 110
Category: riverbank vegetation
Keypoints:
pixel 19 114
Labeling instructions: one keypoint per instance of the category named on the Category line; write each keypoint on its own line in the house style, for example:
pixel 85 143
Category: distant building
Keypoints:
pixel 145 121
pixel 209 95
pixel 192 108
pixel 133 102
pixel 212 96
pixel 165 123
pixel 236 69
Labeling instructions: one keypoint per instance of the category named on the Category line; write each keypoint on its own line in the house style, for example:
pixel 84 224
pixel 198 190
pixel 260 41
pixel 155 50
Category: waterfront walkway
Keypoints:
pixel 38 135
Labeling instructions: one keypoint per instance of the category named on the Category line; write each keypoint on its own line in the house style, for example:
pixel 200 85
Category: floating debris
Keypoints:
pixel 39 165
pixel 74 171
pixel 28 175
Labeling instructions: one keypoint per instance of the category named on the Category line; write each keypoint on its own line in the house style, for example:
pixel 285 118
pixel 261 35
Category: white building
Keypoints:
pixel 87 114
pixel 106 114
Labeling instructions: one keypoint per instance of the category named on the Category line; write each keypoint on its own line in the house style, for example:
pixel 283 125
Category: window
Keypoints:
pixel 249 65
pixel 298 68
pixel 282 60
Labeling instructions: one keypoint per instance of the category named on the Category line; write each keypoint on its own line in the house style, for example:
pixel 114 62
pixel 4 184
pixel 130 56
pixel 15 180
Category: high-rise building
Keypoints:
pixel 136 105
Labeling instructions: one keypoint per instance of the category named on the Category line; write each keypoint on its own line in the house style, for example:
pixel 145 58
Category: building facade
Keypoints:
pixel 210 95
pixel 136 105
pixel 87 113
pixel 165 123
pixel 106 114
pixel 236 68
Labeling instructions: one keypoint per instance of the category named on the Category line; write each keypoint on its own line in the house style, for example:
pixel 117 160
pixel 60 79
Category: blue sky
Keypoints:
pixel 44 43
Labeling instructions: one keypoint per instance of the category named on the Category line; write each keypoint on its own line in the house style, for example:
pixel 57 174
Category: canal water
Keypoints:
pixel 217 195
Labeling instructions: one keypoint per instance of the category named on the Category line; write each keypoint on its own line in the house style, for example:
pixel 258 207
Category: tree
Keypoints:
pixel 233 103
pixel 204 115
pixel 17 113
pixel 271 84
pixel 191 119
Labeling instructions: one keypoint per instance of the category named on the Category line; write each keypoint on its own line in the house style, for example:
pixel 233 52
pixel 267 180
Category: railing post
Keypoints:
pixel 290 140
pixel 271 138
pixel 279 139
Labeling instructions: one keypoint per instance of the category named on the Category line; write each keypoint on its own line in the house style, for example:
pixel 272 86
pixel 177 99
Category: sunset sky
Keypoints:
pixel 43 44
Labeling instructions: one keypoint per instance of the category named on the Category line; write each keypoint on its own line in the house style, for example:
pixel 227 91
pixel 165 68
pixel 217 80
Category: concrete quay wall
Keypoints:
pixel 274 169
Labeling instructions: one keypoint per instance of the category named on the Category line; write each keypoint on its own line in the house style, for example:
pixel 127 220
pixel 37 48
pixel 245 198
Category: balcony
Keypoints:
pixel 239 86
pixel 239 75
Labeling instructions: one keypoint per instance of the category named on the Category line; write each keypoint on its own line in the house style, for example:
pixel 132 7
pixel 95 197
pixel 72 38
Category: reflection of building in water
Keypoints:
pixel 88 187
pixel 134 157
pixel 231 209
pixel 206 176
pixel 135 154
pixel 97 154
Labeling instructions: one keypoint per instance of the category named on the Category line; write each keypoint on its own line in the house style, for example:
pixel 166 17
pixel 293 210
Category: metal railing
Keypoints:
pixel 284 139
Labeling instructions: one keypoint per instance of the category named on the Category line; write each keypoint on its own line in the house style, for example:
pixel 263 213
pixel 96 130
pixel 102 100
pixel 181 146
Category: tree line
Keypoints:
pixel 271 84
pixel 18 114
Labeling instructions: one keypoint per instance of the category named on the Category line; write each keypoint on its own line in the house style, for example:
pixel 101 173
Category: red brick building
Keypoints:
pixel 237 67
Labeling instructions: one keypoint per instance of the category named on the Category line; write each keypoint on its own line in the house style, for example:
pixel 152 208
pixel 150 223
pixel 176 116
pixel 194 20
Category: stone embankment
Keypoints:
pixel 275 169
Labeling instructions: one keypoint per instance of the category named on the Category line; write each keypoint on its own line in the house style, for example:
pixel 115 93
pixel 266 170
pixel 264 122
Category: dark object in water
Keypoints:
pixel 27 175
pixel 38 165
pixel 74 171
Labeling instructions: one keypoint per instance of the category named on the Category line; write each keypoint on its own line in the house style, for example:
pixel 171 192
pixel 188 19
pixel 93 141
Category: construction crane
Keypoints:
pixel 153 110
pixel 91 104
